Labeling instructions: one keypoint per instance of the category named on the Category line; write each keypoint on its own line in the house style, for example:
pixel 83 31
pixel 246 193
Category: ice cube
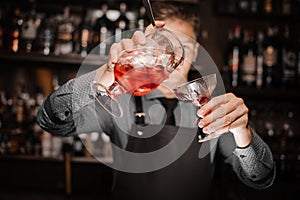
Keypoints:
pixel 144 59
pixel 165 59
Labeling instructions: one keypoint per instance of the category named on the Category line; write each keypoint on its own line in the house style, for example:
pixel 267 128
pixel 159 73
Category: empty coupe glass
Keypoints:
pixel 198 92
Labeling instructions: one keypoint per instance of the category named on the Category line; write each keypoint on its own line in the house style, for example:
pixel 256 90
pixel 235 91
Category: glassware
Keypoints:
pixel 198 92
pixel 142 70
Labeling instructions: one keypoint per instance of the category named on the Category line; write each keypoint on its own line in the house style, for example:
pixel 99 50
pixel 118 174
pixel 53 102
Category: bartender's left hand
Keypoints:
pixel 226 113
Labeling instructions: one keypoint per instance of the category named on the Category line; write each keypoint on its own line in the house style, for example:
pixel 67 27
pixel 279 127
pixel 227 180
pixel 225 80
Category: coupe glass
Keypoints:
pixel 198 92
pixel 142 70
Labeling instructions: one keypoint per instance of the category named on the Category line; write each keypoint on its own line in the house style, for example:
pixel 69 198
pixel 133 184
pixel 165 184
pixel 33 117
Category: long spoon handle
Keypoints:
pixel 147 5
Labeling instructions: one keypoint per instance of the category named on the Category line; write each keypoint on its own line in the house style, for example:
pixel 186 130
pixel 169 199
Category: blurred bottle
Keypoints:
pixel 254 6
pixel 29 29
pixel 14 31
pixel 78 147
pixel 64 36
pixel 46 144
pixel 103 29
pixel 46 36
pixel 122 23
pixel 271 67
pixel 3 122
pixel 286 7
pixel 234 56
pixel 289 59
pixel 18 121
pixel 259 59
pixel 35 131
pixel 244 6
pixel 248 67
pixel 268 6
pixel 287 145
pixel 86 35
pixel 142 19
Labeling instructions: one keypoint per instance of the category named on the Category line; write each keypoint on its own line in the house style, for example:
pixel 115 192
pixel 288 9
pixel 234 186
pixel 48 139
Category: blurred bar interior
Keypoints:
pixel 255 44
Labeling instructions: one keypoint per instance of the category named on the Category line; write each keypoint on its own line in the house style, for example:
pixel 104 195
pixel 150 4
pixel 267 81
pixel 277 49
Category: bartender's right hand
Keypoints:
pixel 105 75
pixel 138 38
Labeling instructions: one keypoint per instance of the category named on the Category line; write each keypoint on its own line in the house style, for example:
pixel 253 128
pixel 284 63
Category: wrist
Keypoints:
pixel 243 136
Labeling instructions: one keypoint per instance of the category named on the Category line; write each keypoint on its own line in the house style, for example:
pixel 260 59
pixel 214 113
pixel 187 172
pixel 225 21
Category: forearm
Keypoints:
pixel 256 162
pixel 56 115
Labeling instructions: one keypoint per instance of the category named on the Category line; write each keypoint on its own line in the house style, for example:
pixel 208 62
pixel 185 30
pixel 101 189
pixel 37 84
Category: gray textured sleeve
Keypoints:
pixel 61 111
pixel 253 164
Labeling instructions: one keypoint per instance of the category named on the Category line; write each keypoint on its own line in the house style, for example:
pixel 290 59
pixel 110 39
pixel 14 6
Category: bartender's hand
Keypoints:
pixel 226 113
pixel 105 75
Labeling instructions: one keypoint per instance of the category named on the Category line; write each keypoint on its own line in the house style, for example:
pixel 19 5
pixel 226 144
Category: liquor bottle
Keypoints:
pixel 226 76
pixel 29 30
pixel 259 59
pixel 268 6
pixel 286 7
pixel 289 60
pixel 86 38
pixel 271 68
pixel 273 7
pixel 103 29
pixel 254 6
pixel 3 129
pixel 78 147
pixel 17 122
pixel 64 36
pixel 243 6
pixel 248 66
pixel 35 132
pixel 234 56
pixel 142 20
pixel 46 36
pixel 14 32
pixel 287 143
pixel 122 23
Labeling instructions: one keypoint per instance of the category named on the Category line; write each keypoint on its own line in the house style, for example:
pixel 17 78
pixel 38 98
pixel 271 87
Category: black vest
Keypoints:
pixel 188 178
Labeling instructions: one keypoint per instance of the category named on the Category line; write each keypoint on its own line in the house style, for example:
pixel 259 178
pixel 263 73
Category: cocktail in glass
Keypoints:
pixel 142 70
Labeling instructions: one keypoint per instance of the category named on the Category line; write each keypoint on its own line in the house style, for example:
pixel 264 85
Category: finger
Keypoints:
pixel 235 106
pixel 159 23
pixel 150 28
pixel 225 114
pixel 139 38
pixel 115 49
pixel 226 120
pixel 222 130
pixel 127 45
pixel 240 122
pixel 214 103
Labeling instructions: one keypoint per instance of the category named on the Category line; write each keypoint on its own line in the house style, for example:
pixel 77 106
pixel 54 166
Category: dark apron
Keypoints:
pixel 187 178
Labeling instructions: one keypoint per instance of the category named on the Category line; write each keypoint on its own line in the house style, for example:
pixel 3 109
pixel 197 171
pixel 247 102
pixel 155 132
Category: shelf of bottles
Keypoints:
pixel 260 9
pixel 264 59
pixel 22 138
pixel 278 125
pixel 55 29
pixel 262 65
pixel 55 32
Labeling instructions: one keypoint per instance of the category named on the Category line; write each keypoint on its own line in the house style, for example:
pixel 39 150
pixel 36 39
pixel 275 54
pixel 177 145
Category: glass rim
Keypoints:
pixel 195 80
